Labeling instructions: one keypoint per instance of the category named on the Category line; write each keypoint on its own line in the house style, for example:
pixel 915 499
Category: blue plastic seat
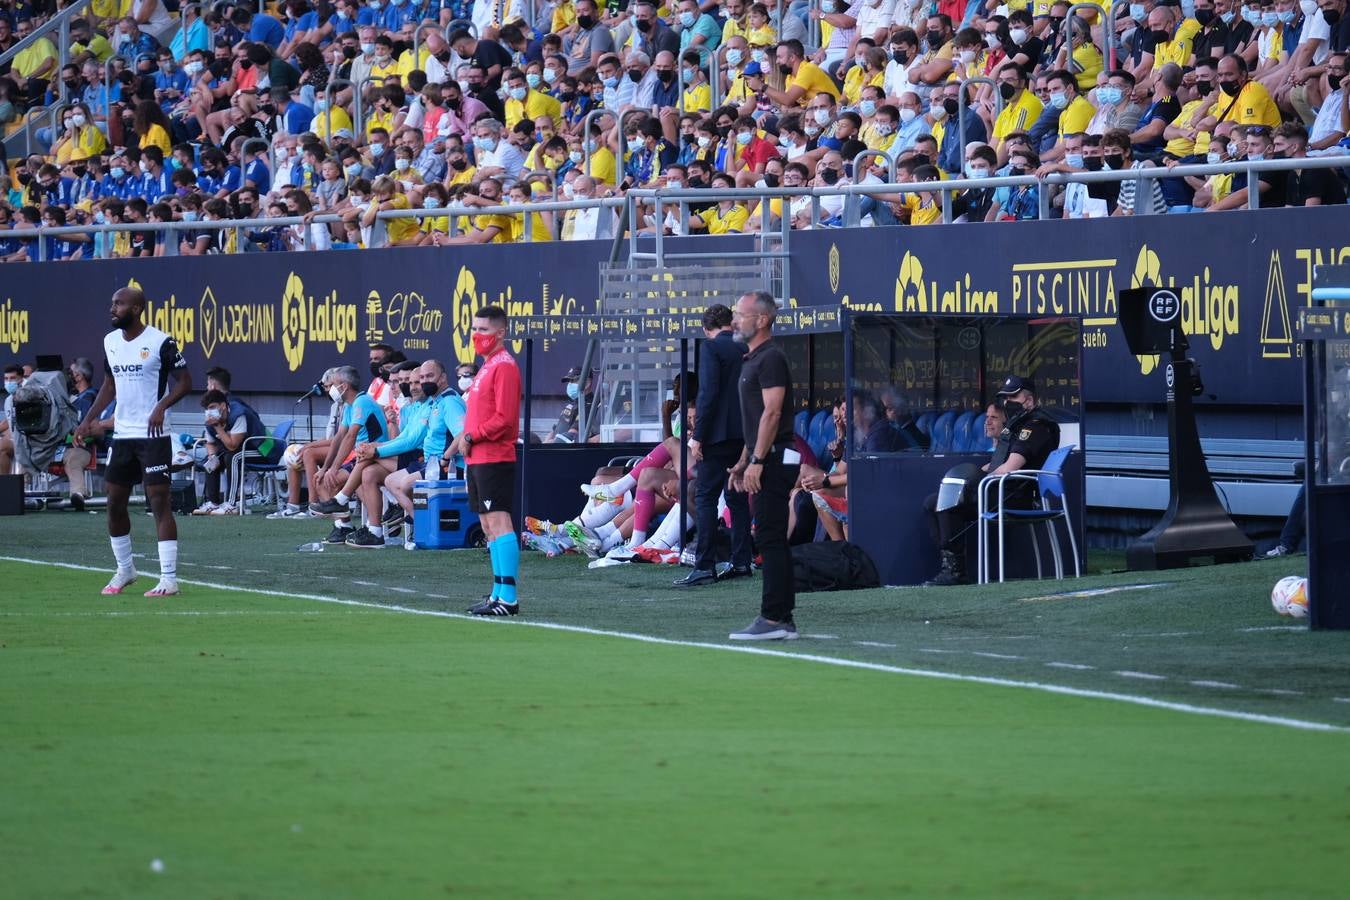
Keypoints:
pixel 252 459
pixel 925 422
pixel 822 432
pixel 961 432
pixel 942 432
pixel 801 424
pixel 977 442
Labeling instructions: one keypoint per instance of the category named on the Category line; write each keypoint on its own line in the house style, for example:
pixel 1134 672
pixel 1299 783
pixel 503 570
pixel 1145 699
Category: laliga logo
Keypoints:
pixel 13 326
pixel 294 322
pixel 834 268
pixel 909 290
pixel 462 303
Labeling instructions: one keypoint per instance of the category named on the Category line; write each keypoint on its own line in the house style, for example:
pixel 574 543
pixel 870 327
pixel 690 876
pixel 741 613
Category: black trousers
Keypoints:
pixel 771 521
pixel 211 488
pixel 949 527
pixel 712 480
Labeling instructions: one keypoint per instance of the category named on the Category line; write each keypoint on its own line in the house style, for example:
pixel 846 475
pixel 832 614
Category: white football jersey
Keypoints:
pixel 140 368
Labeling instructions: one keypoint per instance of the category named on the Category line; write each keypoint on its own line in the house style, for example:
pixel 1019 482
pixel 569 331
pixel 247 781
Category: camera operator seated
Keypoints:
pixel 229 422
pixel 77 457
pixel 564 431
pixel 1025 440
pixel 13 379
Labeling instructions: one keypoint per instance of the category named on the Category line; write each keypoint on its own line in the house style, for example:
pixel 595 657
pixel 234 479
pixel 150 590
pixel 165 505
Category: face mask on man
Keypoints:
pixel 335 393
pixel 483 344
pixel 465 382
pixel 573 390
pixel 212 416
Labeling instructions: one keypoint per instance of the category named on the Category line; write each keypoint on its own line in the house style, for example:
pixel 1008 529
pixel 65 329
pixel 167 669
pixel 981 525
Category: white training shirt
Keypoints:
pixel 140 368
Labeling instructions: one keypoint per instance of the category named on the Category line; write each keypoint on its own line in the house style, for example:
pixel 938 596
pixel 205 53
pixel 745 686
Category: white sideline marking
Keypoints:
pixel 1340 699
pixel 936 650
pixel 1078 667
pixel 1095 592
pixel 1227 685
pixel 400 590
pixel 1063 690
pixel 1145 676
pixel 874 644
pixel 1272 628
pixel 995 655
pixel 1280 692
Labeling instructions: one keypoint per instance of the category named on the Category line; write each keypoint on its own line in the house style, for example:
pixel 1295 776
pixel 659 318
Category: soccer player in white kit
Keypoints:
pixel 141 363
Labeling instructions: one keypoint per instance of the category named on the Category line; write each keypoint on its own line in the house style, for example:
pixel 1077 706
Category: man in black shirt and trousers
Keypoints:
pixel 768 465
pixel 717 445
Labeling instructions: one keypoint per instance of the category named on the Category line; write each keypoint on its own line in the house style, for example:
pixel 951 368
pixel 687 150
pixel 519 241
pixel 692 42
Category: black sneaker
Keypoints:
pixel 363 538
pixel 77 503
pixel 338 535
pixel 328 508
pixel 392 516
pixel 393 529
pixel 491 606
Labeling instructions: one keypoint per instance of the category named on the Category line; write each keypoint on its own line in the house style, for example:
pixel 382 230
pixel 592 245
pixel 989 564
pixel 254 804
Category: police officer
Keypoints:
pixel 565 429
pixel 1025 442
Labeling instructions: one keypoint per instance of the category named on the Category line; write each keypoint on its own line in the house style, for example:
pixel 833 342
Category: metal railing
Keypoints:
pixel 962 103
pixel 891 162
pixel 665 198
pixel 1111 37
pixel 358 123
pixel 1072 21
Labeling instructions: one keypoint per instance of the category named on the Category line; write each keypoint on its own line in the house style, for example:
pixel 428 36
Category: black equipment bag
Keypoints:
pixel 832 566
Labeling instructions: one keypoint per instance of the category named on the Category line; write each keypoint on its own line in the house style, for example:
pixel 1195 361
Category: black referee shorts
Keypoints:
pixel 492 487
pixel 140 461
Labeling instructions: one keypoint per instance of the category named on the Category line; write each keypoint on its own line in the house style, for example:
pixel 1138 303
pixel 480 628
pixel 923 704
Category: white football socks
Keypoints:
pixel 597 514
pixel 121 547
pixel 668 534
pixel 168 560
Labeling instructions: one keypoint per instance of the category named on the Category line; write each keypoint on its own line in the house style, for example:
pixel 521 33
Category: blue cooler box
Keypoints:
pixel 442 519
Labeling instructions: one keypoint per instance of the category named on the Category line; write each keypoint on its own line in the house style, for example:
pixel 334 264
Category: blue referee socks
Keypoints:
pixel 505 553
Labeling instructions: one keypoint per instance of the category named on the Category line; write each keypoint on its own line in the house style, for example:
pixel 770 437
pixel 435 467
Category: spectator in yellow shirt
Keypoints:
pixel 385 195
pixel 1021 108
pixel 523 102
pixel 1239 100
pixel 923 208
pixel 35 65
pixel 697 90
pixel 804 79
pixel 729 217
pixel 488 228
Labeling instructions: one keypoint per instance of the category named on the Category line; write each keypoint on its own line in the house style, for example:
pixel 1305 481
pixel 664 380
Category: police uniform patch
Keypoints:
pixel 1024 434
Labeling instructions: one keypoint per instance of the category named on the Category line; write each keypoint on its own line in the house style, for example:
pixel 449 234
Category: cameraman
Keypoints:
pixel 77 457
pixel 1026 439
pixel 13 379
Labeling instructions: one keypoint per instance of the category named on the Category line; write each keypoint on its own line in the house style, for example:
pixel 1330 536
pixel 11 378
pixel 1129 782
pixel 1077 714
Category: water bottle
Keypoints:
pixel 311 547
pixel 433 469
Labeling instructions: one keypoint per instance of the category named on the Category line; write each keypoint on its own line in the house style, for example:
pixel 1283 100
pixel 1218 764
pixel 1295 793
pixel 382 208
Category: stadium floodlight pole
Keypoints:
pixel 962 102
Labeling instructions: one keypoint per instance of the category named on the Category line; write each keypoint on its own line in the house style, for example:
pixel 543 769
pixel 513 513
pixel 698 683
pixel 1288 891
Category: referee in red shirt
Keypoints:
pixel 488 444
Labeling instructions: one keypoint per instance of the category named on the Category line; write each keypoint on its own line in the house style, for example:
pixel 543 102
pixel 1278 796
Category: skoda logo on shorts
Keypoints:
pixel 1164 306
pixel 1171 376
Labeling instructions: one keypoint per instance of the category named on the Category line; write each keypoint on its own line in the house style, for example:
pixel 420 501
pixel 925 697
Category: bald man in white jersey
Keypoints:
pixel 146 375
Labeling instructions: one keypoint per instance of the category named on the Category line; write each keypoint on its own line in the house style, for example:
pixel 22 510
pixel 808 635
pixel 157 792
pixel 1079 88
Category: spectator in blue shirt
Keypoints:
pixel 132 43
pixel 291 117
pixel 156 179
pixel 256 172
pixel 259 28
pixel 400 14
pixel 193 35
pixel 171 83
pixel 117 184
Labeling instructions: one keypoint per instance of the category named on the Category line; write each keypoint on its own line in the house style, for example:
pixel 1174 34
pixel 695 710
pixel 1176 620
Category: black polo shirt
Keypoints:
pixel 765 367
pixel 1032 434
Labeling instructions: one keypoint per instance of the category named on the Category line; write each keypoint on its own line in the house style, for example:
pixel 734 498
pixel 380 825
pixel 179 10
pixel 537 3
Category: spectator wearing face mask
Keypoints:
pixel 1137 197
pixel 564 431
pixel 1020 203
pixel 1305 187
pixel 1115 106
pixel 229 422
pixel 1021 107
pixel 974 204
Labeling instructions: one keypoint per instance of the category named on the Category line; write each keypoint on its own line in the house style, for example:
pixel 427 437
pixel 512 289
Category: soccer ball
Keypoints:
pixel 1290 596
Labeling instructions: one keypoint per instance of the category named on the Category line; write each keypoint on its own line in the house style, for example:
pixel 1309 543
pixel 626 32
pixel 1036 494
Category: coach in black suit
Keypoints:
pixel 717 443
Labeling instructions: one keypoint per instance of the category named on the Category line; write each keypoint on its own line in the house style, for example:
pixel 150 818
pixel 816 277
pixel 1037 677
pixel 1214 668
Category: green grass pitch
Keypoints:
pixel 276 745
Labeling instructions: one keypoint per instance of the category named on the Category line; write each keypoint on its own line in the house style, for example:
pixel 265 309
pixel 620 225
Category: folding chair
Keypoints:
pixel 1054 507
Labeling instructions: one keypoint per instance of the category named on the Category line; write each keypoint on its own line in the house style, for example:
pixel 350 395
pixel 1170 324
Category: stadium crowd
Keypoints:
pixel 200 114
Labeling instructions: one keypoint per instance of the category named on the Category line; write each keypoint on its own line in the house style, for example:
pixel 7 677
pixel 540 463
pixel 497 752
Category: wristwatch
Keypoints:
pixel 825 482
pixel 468 438
pixel 755 460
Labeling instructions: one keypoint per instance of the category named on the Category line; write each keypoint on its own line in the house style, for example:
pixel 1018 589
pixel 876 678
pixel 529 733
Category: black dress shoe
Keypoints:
pixel 726 571
pixel 696 578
